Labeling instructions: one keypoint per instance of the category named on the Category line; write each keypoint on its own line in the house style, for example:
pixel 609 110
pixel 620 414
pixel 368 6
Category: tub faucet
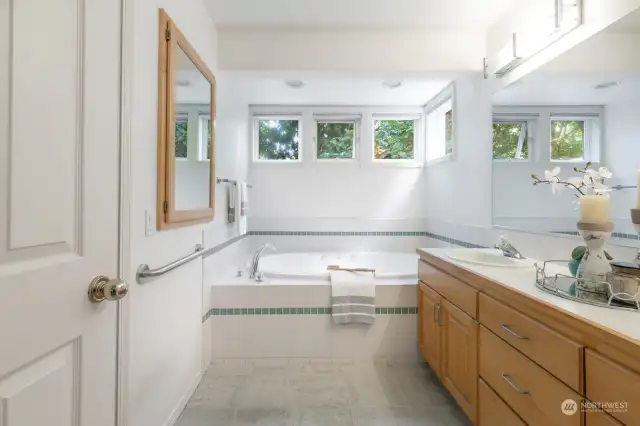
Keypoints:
pixel 253 271
pixel 508 249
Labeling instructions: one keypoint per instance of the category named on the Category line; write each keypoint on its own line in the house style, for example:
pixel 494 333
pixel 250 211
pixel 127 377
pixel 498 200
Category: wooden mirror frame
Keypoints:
pixel 170 38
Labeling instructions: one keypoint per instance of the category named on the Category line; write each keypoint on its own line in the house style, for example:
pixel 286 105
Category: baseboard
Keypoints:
pixel 173 418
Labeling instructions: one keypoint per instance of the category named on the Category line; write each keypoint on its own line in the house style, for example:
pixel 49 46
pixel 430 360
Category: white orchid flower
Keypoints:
pixel 601 189
pixel 552 176
pixel 575 181
pixel 604 173
pixel 590 176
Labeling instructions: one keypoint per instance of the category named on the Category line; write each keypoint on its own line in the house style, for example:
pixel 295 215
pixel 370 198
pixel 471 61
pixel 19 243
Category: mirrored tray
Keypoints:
pixel 568 287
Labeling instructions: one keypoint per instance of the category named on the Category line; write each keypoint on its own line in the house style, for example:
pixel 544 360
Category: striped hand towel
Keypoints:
pixel 353 297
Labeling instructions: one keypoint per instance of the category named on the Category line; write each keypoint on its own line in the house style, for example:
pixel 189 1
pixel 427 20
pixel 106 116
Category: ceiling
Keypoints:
pixel 548 88
pixel 629 24
pixel 440 14
pixel 321 88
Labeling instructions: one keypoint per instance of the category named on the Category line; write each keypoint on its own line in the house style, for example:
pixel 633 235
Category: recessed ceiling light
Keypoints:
pixel 295 84
pixel 391 84
pixel 606 85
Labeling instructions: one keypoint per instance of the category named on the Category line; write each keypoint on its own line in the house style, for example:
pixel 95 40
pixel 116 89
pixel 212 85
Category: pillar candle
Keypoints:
pixel 594 209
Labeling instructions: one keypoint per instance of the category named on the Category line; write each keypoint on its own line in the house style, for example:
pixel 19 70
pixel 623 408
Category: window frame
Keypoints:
pixel 204 128
pixel 418 140
pixel 337 119
pixel 446 95
pixel 255 150
pixel 528 131
pixel 587 135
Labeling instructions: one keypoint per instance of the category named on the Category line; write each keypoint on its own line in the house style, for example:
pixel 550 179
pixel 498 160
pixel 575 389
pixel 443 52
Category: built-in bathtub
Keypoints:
pixel 288 315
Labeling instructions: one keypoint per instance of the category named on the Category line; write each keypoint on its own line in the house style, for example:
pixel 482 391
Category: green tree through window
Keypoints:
pixel 278 139
pixel 506 137
pixel 567 139
pixel 335 140
pixel 393 139
pixel 448 135
pixel 181 137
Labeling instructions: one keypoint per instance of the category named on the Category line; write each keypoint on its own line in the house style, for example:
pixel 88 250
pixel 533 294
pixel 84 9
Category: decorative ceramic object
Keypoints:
pixel 594 266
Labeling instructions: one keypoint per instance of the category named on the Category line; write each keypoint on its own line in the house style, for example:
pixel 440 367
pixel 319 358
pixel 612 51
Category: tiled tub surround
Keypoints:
pixel 295 322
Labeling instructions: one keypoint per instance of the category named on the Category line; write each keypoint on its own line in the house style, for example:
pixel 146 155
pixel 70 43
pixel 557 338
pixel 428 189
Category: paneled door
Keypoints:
pixel 429 326
pixel 59 186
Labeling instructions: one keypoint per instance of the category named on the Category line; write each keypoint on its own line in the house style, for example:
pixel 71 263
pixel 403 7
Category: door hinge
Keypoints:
pixel 167 34
pixel 165 206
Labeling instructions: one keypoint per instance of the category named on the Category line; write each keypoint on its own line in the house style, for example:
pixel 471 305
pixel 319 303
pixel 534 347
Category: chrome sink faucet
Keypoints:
pixel 508 249
pixel 253 271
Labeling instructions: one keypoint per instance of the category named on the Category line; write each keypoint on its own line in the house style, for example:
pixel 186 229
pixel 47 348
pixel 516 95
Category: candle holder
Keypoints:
pixel 594 266
pixel 635 218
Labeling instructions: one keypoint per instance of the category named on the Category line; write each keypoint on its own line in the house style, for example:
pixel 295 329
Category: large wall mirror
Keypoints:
pixel 185 132
pixel 581 107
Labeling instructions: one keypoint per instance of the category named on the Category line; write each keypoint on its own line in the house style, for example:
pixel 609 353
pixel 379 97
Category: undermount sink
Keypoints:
pixel 486 257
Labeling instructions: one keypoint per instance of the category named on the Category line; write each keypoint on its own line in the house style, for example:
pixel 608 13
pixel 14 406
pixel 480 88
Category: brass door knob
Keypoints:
pixel 102 288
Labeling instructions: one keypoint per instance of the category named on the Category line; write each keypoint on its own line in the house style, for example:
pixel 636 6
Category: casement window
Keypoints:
pixel 182 133
pixel 277 138
pixel 440 123
pixel 394 138
pixel 574 137
pixel 510 139
pixel 336 137
pixel 204 138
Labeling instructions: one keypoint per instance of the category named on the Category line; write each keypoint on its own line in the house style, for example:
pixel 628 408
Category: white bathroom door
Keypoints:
pixel 59 186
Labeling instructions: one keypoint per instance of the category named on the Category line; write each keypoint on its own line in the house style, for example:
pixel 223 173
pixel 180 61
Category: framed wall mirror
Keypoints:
pixel 186 124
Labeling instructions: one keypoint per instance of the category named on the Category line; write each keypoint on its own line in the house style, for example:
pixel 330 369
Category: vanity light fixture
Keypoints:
pixel 391 84
pixel 294 84
pixel 606 85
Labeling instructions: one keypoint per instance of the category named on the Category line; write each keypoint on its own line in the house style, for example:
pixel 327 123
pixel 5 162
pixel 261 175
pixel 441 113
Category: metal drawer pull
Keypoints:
pixel 438 306
pixel 507 378
pixel 513 333
pixel 435 313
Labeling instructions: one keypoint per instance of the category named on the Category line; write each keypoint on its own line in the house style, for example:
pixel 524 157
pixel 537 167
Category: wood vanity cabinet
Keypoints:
pixel 509 359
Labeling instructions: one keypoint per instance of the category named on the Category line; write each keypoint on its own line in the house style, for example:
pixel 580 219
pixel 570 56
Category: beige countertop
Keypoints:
pixel 626 323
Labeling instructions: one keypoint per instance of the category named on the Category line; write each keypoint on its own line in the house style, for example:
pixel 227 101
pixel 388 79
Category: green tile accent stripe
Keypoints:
pixel 215 312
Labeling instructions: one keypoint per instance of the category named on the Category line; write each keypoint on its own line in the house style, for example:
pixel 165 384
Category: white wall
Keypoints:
pixel 165 328
pixel 623 157
pixel 321 196
pixel 350 50
pixel 459 190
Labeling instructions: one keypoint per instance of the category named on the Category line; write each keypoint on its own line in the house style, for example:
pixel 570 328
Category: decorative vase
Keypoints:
pixel 594 266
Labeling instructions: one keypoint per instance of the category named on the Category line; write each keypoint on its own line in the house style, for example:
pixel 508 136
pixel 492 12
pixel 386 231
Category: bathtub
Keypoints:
pixel 391 268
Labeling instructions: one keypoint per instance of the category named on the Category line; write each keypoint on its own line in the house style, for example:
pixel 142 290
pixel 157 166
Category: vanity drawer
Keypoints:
pixel 610 382
pixel 532 392
pixel 492 411
pixel 457 292
pixel 596 418
pixel 557 354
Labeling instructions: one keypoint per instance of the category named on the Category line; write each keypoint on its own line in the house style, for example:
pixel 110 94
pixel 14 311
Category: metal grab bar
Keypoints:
pixel 144 274
pixel 231 181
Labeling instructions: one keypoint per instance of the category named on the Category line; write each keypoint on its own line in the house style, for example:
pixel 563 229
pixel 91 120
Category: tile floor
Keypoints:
pixel 320 393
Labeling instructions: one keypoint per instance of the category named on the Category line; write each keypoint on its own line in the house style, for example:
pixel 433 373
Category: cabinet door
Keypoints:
pixel 459 363
pixel 428 329
pixel 595 418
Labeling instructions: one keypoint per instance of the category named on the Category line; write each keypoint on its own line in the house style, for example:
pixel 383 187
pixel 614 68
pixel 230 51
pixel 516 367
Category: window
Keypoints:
pixel 393 139
pixel 440 126
pixel 510 140
pixel 567 139
pixel 277 139
pixel 204 138
pixel 335 140
pixel 181 135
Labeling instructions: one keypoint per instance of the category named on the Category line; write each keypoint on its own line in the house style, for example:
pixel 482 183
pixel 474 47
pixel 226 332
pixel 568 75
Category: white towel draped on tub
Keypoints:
pixel 353 297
